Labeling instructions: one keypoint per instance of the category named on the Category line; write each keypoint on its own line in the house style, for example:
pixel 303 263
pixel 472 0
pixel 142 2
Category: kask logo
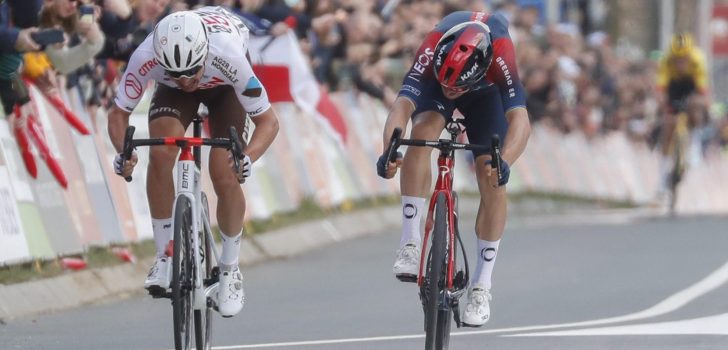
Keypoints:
pixel 470 73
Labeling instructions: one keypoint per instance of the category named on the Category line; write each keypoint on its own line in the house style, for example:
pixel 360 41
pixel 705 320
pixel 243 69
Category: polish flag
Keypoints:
pixel 283 69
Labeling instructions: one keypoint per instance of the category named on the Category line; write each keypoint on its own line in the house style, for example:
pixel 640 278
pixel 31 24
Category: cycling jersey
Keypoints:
pixel 680 85
pixel 502 73
pixel 225 64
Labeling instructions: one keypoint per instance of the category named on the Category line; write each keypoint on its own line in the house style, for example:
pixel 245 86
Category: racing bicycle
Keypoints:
pixel 678 151
pixel 195 276
pixel 443 277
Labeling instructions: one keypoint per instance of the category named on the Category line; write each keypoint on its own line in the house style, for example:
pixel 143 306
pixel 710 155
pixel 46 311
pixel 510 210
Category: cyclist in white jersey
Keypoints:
pixel 196 57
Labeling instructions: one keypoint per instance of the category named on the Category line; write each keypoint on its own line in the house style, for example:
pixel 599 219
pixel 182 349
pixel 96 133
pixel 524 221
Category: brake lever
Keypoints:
pixel 495 154
pixel 236 150
pixel 128 147
pixel 393 145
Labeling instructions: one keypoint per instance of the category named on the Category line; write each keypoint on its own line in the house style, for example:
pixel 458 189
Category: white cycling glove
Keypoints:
pixel 246 168
pixel 119 163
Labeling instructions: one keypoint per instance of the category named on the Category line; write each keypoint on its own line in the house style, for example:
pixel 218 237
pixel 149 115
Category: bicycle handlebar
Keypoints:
pixel 233 144
pixel 445 145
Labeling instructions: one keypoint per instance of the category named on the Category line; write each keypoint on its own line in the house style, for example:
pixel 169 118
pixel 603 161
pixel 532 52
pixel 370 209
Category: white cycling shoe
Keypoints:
pixel 230 294
pixel 407 263
pixel 159 275
pixel 477 311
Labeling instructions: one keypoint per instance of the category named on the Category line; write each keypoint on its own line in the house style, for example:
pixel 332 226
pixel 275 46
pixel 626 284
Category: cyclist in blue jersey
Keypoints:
pixel 467 63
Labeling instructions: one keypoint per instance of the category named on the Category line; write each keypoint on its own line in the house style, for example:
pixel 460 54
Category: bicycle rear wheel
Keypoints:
pixel 203 318
pixel 677 172
pixel 437 312
pixel 182 274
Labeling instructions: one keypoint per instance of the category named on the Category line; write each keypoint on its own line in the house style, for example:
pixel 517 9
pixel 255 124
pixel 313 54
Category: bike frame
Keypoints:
pixel 444 185
pixel 445 164
pixel 188 185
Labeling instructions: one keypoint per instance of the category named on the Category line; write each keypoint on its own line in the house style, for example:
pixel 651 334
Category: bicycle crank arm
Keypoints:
pixel 456 294
pixel 210 293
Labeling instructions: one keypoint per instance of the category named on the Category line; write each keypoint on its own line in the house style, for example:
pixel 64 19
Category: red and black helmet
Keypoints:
pixel 463 55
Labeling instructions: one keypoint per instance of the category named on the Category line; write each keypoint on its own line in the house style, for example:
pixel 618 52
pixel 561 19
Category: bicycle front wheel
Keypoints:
pixel 182 274
pixel 203 318
pixel 437 312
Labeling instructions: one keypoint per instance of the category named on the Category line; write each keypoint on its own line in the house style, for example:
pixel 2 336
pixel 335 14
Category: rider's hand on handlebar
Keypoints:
pixel 246 167
pixel 493 173
pixel 125 168
pixel 386 169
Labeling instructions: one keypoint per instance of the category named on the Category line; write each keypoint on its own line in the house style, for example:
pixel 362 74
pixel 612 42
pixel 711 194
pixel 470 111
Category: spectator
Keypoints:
pixel 127 24
pixel 15 39
pixel 328 43
pixel 85 38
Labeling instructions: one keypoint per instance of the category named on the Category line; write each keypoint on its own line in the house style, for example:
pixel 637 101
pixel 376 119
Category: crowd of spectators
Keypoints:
pixel 575 81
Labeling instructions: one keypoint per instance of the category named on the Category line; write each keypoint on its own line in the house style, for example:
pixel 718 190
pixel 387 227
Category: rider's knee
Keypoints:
pixel 224 180
pixel 162 158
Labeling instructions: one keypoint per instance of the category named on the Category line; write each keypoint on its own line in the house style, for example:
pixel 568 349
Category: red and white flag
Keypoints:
pixel 283 69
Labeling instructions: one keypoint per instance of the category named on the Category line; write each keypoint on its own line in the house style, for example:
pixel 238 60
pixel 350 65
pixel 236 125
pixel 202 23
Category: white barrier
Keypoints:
pixel 40 221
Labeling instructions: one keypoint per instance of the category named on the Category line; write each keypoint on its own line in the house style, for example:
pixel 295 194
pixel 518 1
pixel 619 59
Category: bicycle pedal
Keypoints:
pixel 158 292
pixel 405 277
pixel 470 325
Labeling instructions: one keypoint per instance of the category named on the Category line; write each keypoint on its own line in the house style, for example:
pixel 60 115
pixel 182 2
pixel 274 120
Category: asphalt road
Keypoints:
pixel 590 280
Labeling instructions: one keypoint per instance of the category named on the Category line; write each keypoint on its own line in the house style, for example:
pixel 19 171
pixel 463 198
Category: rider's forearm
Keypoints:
pixel 118 122
pixel 398 117
pixel 266 129
pixel 519 129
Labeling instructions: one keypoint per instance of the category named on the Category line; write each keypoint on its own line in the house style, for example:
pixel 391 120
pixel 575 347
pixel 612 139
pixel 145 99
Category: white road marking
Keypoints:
pixel 713 325
pixel 320 342
pixel 670 304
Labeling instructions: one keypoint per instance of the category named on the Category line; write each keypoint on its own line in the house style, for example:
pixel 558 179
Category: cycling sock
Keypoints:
pixel 230 248
pixel 162 229
pixel 487 252
pixel 412 208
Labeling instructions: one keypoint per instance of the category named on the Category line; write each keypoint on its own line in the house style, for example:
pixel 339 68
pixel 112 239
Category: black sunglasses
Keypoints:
pixel 185 73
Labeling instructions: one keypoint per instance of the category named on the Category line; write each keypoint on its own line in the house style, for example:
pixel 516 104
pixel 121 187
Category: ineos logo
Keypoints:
pixel 488 254
pixel 409 211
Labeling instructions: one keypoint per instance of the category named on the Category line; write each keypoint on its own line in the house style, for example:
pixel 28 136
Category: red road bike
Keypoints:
pixel 443 277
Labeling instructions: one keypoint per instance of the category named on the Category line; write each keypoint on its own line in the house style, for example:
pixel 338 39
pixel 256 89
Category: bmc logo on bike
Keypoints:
pixel 185 176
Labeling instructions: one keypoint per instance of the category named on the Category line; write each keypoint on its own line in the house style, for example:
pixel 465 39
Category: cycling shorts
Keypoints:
pixel 482 109
pixel 223 106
